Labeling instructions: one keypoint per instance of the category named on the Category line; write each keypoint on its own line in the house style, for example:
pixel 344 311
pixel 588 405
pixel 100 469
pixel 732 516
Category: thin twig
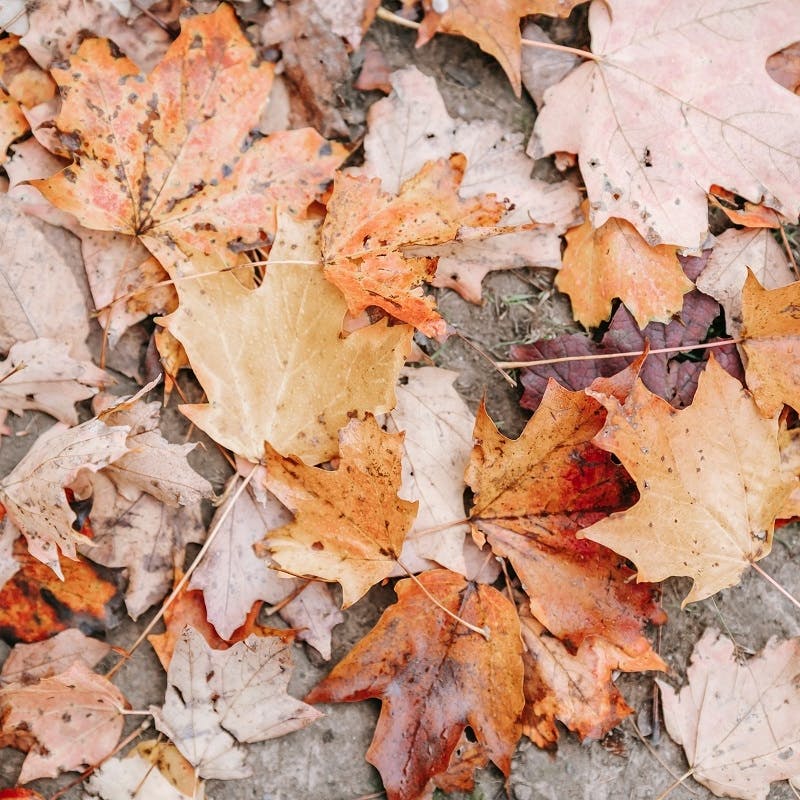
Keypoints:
pixel 564 359
pixel 561 48
pixel 483 354
pixel 485 632
pixel 189 572
pixel 789 253
pixel 775 583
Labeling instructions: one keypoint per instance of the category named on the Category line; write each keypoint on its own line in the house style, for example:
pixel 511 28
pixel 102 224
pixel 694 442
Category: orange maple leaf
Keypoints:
pixel 349 524
pixel 771 332
pixel 366 230
pixel 435 678
pixel 615 261
pixel 170 155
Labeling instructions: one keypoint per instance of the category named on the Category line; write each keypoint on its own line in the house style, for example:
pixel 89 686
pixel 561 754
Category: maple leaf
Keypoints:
pixel 40 374
pixel 743 212
pixel 434 679
pixel 170 156
pixel 614 261
pixel 574 688
pixel 36 603
pixel 495 30
pixel 65 722
pixel 736 251
pixel 141 534
pixel 298 392
pixel 789 441
pixel 366 229
pixel 13 124
pixel 349 524
pixel 32 308
pixel 738 133
pixel 29 662
pixel 232 577
pixel 219 698
pixel 412 126
pixel 737 721
pixel 437 441
pixel 21 77
pixel 189 610
pixel 669 375
pixel 33 492
pixel 532 496
pixel 709 478
pixel 771 333
pixel 152 769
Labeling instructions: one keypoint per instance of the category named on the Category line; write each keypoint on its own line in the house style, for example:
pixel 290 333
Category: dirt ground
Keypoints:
pixel 326 760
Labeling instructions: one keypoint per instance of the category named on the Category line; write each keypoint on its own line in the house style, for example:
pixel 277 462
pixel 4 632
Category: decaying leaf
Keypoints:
pixel 40 374
pixel 64 722
pixel 412 127
pixel 169 155
pixel 614 261
pixel 33 492
pixel 32 308
pixel 736 251
pixel 532 497
pixel 152 769
pixel 298 392
pixel 435 678
pixel 574 688
pixel 142 534
pixel 771 332
pixel 709 478
pixel 737 721
pixel 217 699
pixel 29 662
pixel 729 123
pixel 367 230
pixel 36 603
pixel 349 523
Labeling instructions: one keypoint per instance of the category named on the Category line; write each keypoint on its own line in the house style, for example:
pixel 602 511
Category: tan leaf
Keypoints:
pixel 349 523
pixel 735 251
pixel 12 123
pixel 542 67
pixel 298 392
pixel 155 770
pixel 789 441
pixel 65 722
pixel 709 478
pixel 771 332
pixel 33 492
pixel 614 261
pixel 30 307
pixel 737 721
pixel 217 699
pixel 21 77
pixel 29 662
pixel 141 534
pixel 41 375
pixel 152 464
pixel 412 126
pixel 738 133
pixel 437 427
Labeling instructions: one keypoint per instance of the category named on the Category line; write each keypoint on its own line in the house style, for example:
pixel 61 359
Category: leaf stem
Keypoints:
pixel 485 632
pixel 388 16
pixel 678 781
pixel 564 359
pixel 561 48
pixel 775 583
pixel 788 248
pixel 496 365
pixel 443 527
pixel 189 572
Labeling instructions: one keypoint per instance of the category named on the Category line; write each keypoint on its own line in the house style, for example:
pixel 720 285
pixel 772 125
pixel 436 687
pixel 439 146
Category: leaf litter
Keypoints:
pixel 155 165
